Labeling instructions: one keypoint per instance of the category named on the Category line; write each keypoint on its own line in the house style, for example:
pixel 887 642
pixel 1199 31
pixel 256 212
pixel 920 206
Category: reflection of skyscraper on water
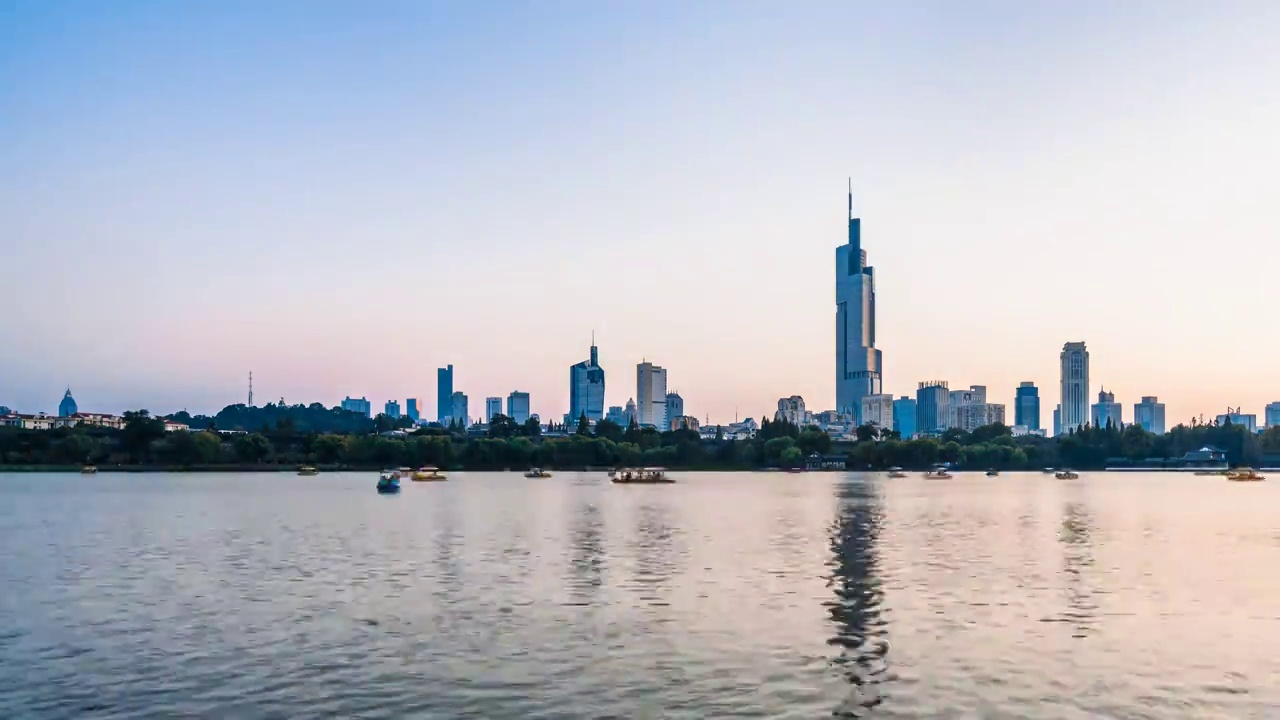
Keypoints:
pixel 861 632
pixel 654 555
pixel 1077 558
pixel 586 554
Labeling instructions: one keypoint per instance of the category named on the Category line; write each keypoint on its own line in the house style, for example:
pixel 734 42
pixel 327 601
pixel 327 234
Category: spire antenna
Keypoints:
pixel 850 197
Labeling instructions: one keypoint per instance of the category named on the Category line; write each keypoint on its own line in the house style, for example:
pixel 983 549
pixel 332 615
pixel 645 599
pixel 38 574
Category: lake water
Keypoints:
pixel 726 595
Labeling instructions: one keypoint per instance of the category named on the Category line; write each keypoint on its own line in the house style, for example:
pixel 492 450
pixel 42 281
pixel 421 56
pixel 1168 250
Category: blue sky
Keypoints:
pixel 343 196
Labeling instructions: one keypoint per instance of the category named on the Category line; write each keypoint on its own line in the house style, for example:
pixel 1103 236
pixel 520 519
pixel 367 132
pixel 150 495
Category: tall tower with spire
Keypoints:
pixel 586 387
pixel 67 407
pixel 858 362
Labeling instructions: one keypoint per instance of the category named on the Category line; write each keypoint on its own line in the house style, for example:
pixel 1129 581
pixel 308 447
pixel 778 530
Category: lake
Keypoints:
pixel 726 595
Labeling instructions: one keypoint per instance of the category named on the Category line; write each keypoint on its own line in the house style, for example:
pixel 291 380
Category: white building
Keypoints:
pixel 877 410
pixel 966 407
pixel 1075 385
pixel 792 410
pixel 651 395
pixel 1106 410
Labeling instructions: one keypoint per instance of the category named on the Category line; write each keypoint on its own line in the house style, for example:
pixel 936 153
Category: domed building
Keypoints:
pixel 67 407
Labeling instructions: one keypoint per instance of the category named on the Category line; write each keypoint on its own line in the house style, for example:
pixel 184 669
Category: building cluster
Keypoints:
pixel 69 415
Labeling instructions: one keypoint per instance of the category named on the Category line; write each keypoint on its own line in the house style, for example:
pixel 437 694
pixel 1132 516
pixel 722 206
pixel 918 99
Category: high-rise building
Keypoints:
pixel 411 409
pixel 1026 406
pixel 958 404
pixel 1149 414
pixel 877 410
pixel 1233 416
pixel 651 395
pixel 444 394
pixel 675 406
pixel 858 362
pixel 904 416
pixel 791 409
pixel 458 412
pixel 616 415
pixel 67 407
pixel 1057 420
pixel 391 409
pixel 933 407
pixel 1271 414
pixel 359 405
pixel 1106 410
pixel 1075 385
pixel 586 388
pixel 518 406
pixel 492 406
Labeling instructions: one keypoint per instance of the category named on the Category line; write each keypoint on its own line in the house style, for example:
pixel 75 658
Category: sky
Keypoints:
pixel 341 197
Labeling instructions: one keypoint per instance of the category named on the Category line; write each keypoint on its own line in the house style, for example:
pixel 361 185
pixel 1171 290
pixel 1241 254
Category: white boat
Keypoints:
pixel 896 472
pixel 537 473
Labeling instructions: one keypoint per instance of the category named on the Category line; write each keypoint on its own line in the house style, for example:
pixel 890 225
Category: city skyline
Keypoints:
pixel 999 155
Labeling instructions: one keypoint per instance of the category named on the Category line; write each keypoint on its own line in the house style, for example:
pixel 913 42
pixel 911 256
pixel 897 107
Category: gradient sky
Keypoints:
pixel 343 196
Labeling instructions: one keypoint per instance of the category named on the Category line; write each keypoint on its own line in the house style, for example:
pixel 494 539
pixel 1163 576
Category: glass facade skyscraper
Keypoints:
pixel 1026 406
pixel 858 362
pixel 444 393
pixel 586 389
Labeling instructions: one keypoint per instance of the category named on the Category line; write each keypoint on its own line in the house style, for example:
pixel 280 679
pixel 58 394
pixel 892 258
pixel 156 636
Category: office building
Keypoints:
pixel 391 409
pixel 1057 420
pixel 616 415
pixel 1271 414
pixel 858 362
pixel 458 409
pixel 1106 410
pixel 877 410
pixel 444 394
pixel 651 395
pixel 675 406
pixel 586 388
pixel 1075 385
pixel 518 406
pixel 492 406
pixel 904 416
pixel 683 422
pixel 933 407
pixel 1149 415
pixel 357 405
pixel 411 409
pixel 67 407
pixel 1026 406
pixel 1235 417
pixel 791 409
pixel 958 403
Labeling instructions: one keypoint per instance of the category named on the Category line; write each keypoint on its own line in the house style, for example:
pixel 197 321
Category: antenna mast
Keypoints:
pixel 250 388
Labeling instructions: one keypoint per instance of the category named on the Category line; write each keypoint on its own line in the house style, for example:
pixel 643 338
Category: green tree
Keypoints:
pixel 252 448
pixel 584 425
pixel 139 432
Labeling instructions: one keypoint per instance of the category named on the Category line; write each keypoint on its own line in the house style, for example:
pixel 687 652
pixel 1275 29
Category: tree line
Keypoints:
pixel 288 436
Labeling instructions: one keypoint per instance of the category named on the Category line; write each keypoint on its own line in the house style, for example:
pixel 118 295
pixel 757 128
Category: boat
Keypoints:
pixel 613 471
pixel 638 476
pixel 938 473
pixel 389 482
pixel 427 473
pixel 993 472
pixel 1049 471
pixel 896 472
pixel 88 470
pixel 1065 475
pixel 1245 475
pixel 1212 472
pixel 536 473
pixel 308 470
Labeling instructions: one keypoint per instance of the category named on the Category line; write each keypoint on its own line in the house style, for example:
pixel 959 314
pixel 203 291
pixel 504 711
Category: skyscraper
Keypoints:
pixel 1270 414
pixel 1075 385
pixel 518 406
pixel 357 405
pixel 1057 420
pixel 586 388
pixel 67 407
pixel 933 407
pixel 1106 410
pixel 1026 406
pixel 904 416
pixel 492 406
pixel 391 409
pixel 1149 414
pixel 411 409
pixel 651 395
pixel 444 393
pixel 458 412
pixel 858 362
